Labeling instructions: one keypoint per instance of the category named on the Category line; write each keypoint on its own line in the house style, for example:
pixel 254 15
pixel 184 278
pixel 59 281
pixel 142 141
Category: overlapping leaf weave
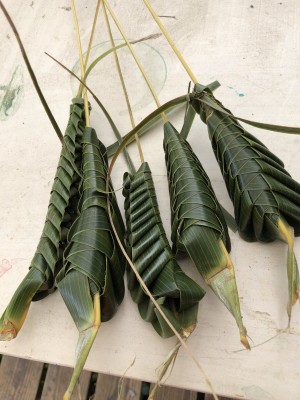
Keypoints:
pixel 198 225
pixel 92 256
pixel 259 186
pixel 266 199
pixel 62 210
pixel 91 280
pixel 148 247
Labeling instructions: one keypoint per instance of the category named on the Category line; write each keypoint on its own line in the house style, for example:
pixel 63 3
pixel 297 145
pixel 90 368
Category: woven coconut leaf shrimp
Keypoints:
pixel 266 199
pixel 198 225
pixel 146 242
pixel 62 211
pixel 91 280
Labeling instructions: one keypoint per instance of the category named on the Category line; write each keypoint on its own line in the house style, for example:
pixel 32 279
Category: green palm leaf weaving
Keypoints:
pixel 177 294
pixel 266 199
pixel 62 211
pixel 91 280
pixel 198 226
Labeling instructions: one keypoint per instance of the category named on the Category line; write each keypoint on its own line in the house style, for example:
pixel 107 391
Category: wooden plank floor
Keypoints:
pixel 31 380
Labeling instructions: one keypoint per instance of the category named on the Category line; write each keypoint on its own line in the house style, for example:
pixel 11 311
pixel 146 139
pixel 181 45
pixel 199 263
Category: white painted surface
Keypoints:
pixel 250 50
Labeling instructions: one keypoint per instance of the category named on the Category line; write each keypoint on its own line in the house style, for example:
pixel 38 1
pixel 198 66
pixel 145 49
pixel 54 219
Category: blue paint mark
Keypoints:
pixel 11 94
pixel 238 92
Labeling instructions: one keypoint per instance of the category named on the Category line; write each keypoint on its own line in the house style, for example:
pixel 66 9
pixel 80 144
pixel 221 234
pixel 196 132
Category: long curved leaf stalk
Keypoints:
pixel 198 225
pixel 105 112
pixel 123 84
pixel 266 199
pixel 99 2
pixel 113 50
pixel 155 118
pixel 148 248
pixel 149 121
pixel 91 280
pixel 32 74
pixel 171 43
pixel 62 211
pixel 138 63
pixel 82 63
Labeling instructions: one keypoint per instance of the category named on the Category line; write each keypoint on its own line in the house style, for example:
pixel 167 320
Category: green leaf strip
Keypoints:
pixel 151 120
pixel 203 94
pixel 115 149
pixel 105 112
pixel 147 245
pixel 32 74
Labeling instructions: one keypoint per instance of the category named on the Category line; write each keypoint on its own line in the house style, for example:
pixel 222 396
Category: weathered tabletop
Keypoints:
pixel 252 48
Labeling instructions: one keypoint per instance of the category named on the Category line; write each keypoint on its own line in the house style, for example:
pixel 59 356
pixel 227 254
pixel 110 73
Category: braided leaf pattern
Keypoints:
pixel 261 189
pixel 92 255
pixel 177 294
pixel 266 199
pixel 198 225
pixel 193 201
pixel 39 281
pixel 91 280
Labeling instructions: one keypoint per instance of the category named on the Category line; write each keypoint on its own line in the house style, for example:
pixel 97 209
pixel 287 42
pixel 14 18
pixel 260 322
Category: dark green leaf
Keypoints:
pixel 266 199
pixel 91 249
pixel 91 280
pixel 198 225
pixel 149 250
pixel 39 281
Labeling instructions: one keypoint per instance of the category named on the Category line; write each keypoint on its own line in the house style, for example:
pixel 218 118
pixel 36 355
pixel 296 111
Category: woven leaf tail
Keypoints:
pixel 16 312
pixel 287 234
pixel 85 311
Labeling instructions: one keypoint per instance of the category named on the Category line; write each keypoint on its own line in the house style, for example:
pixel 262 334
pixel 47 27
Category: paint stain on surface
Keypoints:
pixel 11 94
pixel 238 92
pixel 6 265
